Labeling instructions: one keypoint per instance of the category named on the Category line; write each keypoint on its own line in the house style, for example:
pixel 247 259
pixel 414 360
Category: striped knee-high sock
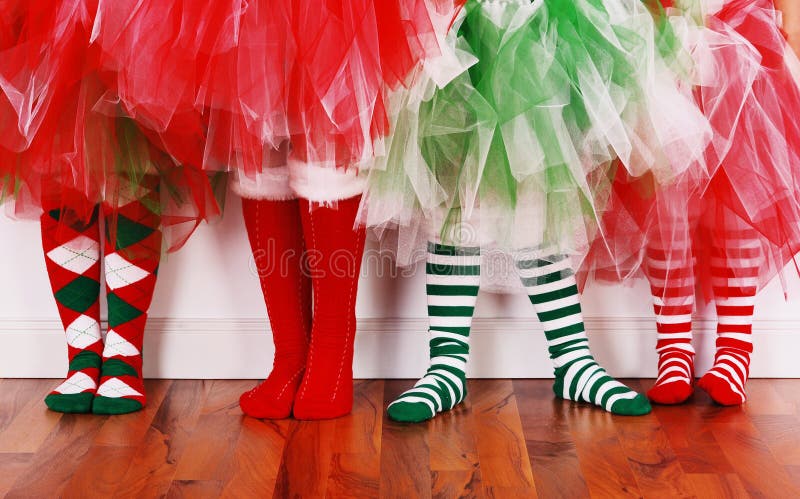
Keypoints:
pixel 453 280
pixel 672 285
pixel 72 256
pixel 552 289
pixel 132 256
pixel 735 282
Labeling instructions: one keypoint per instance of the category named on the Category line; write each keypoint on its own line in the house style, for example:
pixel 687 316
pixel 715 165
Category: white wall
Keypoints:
pixel 208 319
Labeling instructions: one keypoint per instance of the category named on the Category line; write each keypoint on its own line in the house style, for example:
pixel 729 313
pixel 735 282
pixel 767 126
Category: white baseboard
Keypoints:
pixel 388 348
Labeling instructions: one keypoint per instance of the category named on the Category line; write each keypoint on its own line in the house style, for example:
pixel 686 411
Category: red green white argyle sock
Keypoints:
pixel 72 256
pixel 132 256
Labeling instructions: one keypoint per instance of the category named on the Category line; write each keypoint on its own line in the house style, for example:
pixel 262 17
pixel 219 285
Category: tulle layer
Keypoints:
pixel 250 76
pixel 750 95
pixel 58 149
pixel 524 138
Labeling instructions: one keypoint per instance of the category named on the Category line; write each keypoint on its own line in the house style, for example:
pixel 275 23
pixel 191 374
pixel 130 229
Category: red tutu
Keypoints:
pixel 754 189
pixel 65 153
pixel 349 53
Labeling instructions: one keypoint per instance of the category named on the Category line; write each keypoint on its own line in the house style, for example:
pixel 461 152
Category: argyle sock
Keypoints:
pixel 553 291
pixel 275 231
pixel 672 283
pixel 734 271
pixel 335 250
pixel 453 281
pixel 72 256
pixel 132 256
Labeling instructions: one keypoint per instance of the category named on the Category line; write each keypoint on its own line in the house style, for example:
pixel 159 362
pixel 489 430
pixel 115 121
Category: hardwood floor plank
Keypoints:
pixel 257 458
pixel 356 450
pixel 153 466
pixel 29 422
pixel 11 466
pixel 551 447
pixel 764 399
pixel 794 474
pixel 454 463
pixel 692 440
pixel 223 396
pixel 452 440
pixel 307 459
pixel 195 489
pixel 717 485
pixel 781 434
pixel 789 391
pixel 760 473
pixel 129 429
pixel 604 463
pixel 405 455
pixel 100 471
pixel 462 484
pixel 61 454
pixel 502 453
pixel 354 475
pixel 209 453
pixel 509 439
pixel 653 461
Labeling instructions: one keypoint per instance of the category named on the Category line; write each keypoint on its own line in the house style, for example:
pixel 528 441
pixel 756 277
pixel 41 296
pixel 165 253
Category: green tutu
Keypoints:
pixel 517 150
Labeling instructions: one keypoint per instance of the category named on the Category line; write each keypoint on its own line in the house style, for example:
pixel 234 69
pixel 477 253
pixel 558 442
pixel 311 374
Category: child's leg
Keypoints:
pixel 334 250
pixel 553 291
pixel 672 284
pixel 453 280
pixel 72 256
pixel 275 230
pixel 132 256
pixel 735 265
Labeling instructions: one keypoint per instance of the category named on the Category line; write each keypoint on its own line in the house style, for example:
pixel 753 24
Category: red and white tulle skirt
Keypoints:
pixel 751 203
pixel 59 146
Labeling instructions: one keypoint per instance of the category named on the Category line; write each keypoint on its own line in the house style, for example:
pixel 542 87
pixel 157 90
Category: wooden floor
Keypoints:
pixel 511 439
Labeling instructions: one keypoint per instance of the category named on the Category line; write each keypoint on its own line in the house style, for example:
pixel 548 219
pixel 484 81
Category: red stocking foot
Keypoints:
pixel 273 398
pixel 672 393
pixel 721 389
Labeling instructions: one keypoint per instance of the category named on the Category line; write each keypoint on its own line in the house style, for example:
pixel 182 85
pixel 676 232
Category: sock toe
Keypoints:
pixel 75 403
pixel 720 390
pixel 263 409
pixel 409 412
pixel 308 409
pixel 673 393
pixel 112 406
pixel 637 406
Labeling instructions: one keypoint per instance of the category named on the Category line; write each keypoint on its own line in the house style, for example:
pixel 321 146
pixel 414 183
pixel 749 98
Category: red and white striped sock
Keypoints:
pixel 735 283
pixel 672 286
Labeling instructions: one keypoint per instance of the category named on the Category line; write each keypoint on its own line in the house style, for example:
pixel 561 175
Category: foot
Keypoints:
pixel 725 381
pixel 675 377
pixel 313 404
pixel 274 397
pixel 76 393
pixel 121 389
pixel 325 393
pixel 440 390
pixel 585 381
pixel 721 389
pixel 670 393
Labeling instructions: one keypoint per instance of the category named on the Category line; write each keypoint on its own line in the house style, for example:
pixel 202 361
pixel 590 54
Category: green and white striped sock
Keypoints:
pixel 552 289
pixel 453 280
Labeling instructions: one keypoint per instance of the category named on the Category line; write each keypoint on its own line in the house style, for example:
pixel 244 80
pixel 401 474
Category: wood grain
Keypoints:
pixel 509 439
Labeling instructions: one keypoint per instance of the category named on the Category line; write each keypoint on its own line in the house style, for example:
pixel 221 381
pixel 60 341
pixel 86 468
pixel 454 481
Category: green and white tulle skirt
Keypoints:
pixel 509 138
